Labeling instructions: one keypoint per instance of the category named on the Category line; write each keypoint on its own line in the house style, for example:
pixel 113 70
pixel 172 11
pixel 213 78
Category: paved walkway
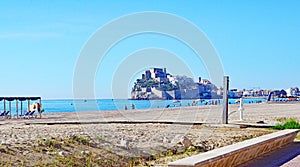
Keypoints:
pixel 288 156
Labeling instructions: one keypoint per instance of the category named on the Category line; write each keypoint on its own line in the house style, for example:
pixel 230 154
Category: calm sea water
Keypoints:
pixel 51 106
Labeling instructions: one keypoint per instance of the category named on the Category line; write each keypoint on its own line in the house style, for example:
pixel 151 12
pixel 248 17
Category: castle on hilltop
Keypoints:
pixel 156 83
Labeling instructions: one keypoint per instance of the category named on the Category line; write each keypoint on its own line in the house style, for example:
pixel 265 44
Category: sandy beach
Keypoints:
pixel 268 113
pixel 132 137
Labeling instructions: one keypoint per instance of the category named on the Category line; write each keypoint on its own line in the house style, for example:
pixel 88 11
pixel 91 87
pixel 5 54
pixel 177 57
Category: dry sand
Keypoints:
pixel 23 137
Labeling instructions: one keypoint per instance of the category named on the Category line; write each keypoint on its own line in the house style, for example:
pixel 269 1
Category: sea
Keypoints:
pixel 70 105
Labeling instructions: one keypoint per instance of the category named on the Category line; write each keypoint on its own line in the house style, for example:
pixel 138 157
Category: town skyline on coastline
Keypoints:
pixel 256 41
pixel 158 83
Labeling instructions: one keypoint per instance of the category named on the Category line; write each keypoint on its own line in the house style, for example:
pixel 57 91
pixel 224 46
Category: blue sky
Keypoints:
pixel 40 41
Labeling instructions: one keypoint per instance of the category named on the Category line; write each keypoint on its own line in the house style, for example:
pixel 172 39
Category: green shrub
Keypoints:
pixel 282 119
pixel 289 124
pixel 79 139
pixel 292 124
pixel 52 143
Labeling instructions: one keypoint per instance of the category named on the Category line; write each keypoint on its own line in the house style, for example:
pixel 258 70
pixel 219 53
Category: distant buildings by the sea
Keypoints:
pixel 156 83
pixel 290 92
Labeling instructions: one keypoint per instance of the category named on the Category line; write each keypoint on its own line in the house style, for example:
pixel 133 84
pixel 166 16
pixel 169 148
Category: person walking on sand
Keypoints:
pixel 35 107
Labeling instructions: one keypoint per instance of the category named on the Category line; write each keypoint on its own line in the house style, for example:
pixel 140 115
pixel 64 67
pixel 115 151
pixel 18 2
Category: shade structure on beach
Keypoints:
pixel 17 99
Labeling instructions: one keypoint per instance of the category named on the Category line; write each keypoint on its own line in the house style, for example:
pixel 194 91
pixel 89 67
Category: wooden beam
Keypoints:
pixel 10 108
pixel 17 108
pixel 28 107
pixel 40 111
pixel 21 107
pixel 4 106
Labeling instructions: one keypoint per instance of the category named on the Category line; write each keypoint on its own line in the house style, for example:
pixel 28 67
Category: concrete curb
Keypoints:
pixel 113 122
pixel 236 154
pixel 138 122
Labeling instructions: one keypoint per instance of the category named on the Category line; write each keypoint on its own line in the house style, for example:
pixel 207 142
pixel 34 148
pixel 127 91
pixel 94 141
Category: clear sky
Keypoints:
pixel 40 41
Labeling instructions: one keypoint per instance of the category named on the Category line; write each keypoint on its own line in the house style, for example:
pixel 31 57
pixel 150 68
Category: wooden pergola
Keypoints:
pixel 17 99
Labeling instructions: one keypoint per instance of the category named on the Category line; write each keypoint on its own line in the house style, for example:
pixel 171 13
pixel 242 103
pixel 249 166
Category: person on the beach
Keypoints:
pixel 132 106
pixel 39 106
pixel 35 107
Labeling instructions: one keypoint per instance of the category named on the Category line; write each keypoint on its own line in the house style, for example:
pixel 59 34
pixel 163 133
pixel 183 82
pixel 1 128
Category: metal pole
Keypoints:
pixel 225 99
pixel 241 109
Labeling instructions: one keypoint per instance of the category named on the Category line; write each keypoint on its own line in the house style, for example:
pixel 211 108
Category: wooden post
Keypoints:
pixel 4 106
pixel 10 108
pixel 40 111
pixel 21 107
pixel 17 108
pixel 225 99
pixel 28 107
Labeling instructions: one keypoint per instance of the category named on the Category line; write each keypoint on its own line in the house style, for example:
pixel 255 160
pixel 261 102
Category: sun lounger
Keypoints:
pixel 5 114
pixel 32 112
pixel 28 114
pixel 25 114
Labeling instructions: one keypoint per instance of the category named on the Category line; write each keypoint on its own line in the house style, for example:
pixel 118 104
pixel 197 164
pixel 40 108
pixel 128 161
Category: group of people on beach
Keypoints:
pixel 132 107
pixel 35 107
